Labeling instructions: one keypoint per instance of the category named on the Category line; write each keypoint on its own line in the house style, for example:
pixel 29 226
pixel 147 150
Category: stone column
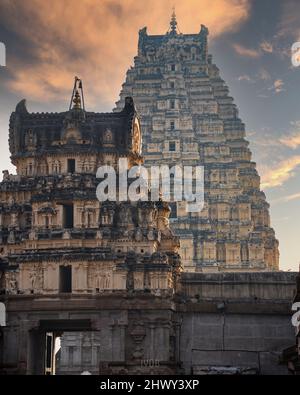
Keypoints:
pixel 118 342
pixel 28 353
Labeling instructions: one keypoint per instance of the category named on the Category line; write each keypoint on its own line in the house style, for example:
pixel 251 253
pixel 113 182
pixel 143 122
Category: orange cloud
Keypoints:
pixel 97 40
pixel 243 51
pixel 278 86
pixel 266 46
pixel 281 173
pixel 294 196
pixel 291 141
pixel 288 198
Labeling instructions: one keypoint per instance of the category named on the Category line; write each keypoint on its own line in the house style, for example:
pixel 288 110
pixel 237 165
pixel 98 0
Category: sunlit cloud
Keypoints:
pixel 247 52
pixel 289 22
pixel 280 173
pixel 288 198
pixel 261 75
pixel 294 196
pixel 292 140
pixel 97 40
pixel 267 150
pixel 278 86
pixel 266 46
pixel 245 77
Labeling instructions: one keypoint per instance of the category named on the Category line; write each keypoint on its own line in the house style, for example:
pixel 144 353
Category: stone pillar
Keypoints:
pixel 51 277
pixel 118 342
pixel 79 278
pixel 36 352
pixel 29 351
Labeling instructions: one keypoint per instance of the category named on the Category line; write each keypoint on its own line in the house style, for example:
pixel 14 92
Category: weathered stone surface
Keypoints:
pixel 184 334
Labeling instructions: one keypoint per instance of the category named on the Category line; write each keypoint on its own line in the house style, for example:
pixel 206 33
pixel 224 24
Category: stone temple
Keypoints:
pixel 99 286
pixel 57 238
pixel 189 118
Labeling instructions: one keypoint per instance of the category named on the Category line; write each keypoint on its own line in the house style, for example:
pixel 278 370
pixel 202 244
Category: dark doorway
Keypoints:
pixel 65 279
pixel 68 216
pixel 71 166
pixel 53 343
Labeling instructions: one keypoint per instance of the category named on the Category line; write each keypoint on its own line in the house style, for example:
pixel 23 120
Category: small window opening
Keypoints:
pixel 71 165
pixel 68 216
pixel 172 146
pixel 65 279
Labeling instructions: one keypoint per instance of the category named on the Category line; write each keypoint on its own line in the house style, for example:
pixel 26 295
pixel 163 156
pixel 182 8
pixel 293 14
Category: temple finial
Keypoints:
pixel 173 23
pixel 77 98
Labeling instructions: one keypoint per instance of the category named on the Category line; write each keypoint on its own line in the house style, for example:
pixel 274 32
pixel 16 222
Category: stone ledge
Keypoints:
pixel 240 278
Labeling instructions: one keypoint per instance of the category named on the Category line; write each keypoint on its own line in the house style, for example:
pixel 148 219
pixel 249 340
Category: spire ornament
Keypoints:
pixel 173 23
pixel 77 98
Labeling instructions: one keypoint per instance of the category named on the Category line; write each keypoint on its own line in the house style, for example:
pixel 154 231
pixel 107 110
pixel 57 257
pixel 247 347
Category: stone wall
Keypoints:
pixel 236 322
pixel 228 323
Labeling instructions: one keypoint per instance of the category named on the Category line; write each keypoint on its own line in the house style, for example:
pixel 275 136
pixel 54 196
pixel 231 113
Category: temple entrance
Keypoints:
pixel 64 347
pixel 52 351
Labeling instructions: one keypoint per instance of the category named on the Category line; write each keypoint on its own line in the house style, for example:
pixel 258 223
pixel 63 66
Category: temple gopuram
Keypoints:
pixel 141 287
pixel 63 249
pixel 188 118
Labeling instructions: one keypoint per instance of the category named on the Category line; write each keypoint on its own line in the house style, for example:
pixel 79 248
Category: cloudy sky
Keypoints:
pixel 48 43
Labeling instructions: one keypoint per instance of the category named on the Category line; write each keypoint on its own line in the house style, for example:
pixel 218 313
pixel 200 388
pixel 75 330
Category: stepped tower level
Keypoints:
pixel 189 118
pixel 50 212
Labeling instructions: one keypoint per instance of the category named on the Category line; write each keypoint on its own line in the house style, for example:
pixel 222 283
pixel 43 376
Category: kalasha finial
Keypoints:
pixel 173 23
pixel 77 100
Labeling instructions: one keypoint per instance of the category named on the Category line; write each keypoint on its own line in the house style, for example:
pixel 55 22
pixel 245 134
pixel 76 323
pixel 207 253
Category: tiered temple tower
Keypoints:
pixel 189 118
pixel 105 277
pixel 66 256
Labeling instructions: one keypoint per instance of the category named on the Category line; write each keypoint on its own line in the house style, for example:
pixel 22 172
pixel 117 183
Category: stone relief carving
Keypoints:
pixel 108 137
pixel 102 279
pixel 125 215
pixel 30 139
pixel 11 283
pixel 36 277
pixel 107 213
pixel 138 235
pixel 138 334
